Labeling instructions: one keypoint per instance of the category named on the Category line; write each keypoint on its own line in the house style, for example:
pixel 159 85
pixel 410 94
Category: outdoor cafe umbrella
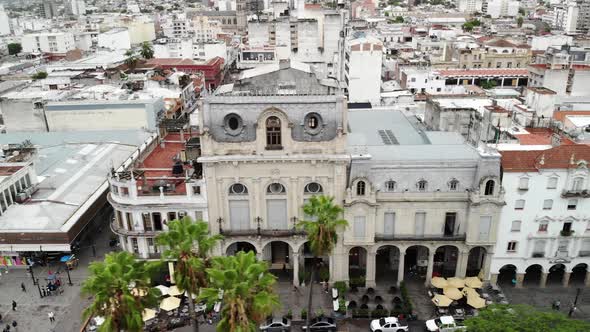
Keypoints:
pixel 163 289
pixel 473 282
pixel 170 303
pixel 98 320
pixel 148 314
pixel 476 301
pixel 456 282
pixel 174 291
pixel 452 293
pixel 441 300
pixel 438 282
pixel 470 292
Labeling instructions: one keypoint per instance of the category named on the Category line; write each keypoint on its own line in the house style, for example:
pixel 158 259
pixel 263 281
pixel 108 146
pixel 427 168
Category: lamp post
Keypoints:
pixel 258 220
pixel 69 278
pixel 294 219
pixel 573 308
pixel 38 287
pixel 220 221
pixel 32 274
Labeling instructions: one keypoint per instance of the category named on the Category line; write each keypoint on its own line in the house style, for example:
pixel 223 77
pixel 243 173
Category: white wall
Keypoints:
pixel 364 76
pixel 541 43
pixel 59 42
pixel 116 39
pixel 4 22
pixel 83 119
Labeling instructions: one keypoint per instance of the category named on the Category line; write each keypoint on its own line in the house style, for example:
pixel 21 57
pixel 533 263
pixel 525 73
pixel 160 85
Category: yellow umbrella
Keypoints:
pixel 174 291
pixel 452 293
pixel 441 300
pixel 148 314
pixel 470 292
pixel 138 292
pixel 455 282
pixel 438 282
pixel 473 282
pixel 170 303
pixel 476 301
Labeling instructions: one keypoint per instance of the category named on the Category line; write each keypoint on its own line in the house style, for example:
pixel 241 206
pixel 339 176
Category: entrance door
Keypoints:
pixel 276 213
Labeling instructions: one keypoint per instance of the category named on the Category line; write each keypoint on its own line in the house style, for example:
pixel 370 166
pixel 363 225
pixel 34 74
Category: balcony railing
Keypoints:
pixel 423 237
pixel 538 254
pixel 263 232
pixel 122 231
pixel 575 193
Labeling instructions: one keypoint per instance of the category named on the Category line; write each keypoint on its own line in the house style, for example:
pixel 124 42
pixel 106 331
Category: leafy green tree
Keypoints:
pixel 14 48
pixel 111 282
pixel 322 232
pixel 247 287
pixel 519 21
pixel 159 8
pixel 522 318
pixel 189 244
pixel 399 19
pixel 131 60
pixel 39 75
pixel 147 52
pixel 488 84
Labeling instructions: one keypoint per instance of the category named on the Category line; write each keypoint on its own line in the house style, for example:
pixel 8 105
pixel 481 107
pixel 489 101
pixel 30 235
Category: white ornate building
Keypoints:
pixel 271 140
pixel 544 233
pixel 417 201
pixel 160 182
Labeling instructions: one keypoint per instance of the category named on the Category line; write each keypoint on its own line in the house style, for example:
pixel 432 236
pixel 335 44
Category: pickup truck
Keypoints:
pixel 444 324
pixel 388 324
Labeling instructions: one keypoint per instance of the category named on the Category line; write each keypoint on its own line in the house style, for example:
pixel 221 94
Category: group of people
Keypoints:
pixel 52 288
pixel 14 323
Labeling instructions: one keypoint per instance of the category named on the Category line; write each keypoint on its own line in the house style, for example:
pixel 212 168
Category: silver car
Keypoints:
pixel 276 325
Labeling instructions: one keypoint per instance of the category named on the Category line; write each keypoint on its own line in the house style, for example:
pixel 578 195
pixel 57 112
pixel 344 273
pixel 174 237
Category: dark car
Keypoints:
pixel 276 325
pixel 323 324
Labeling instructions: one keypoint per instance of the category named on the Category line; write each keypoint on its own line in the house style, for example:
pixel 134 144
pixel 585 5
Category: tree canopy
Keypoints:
pixel 14 48
pixel 523 318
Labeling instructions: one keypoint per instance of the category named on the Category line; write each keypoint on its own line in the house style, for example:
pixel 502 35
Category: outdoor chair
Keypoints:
pixel 365 299
pixel 379 307
pixel 370 291
pixel 392 290
pixel 364 306
pixel 378 299
pixel 396 300
pixel 352 305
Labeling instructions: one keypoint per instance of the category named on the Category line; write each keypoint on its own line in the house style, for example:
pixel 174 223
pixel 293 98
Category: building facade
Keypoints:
pixel 417 203
pixel 48 42
pixel 269 142
pixel 544 232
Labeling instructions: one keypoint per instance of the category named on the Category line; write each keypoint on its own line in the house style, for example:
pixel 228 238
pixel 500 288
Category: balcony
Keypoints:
pixel 424 237
pixel 263 232
pixel 122 231
pixel 538 254
pixel 575 193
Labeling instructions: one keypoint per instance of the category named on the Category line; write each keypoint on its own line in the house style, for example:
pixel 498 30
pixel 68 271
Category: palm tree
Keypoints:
pixel 111 282
pixel 147 52
pixel 131 60
pixel 322 232
pixel 189 244
pixel 248 297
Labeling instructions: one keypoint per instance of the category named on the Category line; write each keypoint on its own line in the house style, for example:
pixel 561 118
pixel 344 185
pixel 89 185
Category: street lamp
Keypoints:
pixel 258 220
pixel 38 287
pixel 69 278
pixel 573 308
pixel 294 219
pixel 32 274
pixel 219 221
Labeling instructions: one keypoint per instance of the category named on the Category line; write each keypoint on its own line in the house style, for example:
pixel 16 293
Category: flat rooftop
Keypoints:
pixel 72 170
pixel 388 135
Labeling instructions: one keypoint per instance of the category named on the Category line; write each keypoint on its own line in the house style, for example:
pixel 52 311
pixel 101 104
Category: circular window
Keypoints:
pixel 233 124
pixel 238 189
pixel 313 188
pixel 313 123
pixel 276 188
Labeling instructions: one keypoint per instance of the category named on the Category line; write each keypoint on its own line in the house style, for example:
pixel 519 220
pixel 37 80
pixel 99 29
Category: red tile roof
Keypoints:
pixel 540 136
pixel 557 157
pixel 484 72
pixel 560 115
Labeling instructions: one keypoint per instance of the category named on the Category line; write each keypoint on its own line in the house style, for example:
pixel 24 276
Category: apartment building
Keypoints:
pixel 48 42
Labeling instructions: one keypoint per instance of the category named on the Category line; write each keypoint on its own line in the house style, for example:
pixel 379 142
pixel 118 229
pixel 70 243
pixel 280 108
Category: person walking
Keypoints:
pixel 51 316
pixel 13 305
pixel 22 286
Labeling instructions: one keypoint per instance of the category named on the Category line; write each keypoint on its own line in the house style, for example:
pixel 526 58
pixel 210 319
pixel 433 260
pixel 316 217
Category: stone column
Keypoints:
pixel 566 279
pixel 400 267
pixel 487 265
pixel 519 279
pixel 461 268
pixel 494 279
pixel 295 263
pixel 370 277
pixel 543 282
pixel 430 267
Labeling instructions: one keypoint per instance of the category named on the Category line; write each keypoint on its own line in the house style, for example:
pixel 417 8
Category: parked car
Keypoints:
pixel 387 324
pixel 276 325
pixel 322 324
pixel 444 324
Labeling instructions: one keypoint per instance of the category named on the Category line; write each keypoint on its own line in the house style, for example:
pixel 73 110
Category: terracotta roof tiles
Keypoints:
pixel 564 156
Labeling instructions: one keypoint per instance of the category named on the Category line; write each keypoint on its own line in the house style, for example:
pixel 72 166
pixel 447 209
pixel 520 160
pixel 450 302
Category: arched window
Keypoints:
pixel 360 188
pixel 489 189
pixel 422 185
pixel 313 188
pixel 390 185
pixel 453 184
pixel 273 133
pixel 238 189
pixel 276 188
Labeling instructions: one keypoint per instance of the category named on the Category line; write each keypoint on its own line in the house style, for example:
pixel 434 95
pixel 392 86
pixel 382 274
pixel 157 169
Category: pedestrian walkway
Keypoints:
pixel 542 298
